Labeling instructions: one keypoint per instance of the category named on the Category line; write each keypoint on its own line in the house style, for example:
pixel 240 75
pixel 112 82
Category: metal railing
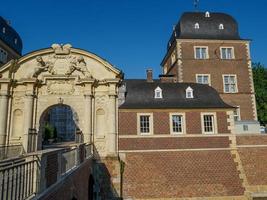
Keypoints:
pixel 17 181
pixel 10 151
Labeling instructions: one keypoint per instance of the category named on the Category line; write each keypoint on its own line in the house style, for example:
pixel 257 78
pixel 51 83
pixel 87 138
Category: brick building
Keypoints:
pixel 206 48
pixel 10 42
pixel 179 136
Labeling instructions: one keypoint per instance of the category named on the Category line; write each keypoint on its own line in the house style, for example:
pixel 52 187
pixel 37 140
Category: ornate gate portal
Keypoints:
pixel 55 76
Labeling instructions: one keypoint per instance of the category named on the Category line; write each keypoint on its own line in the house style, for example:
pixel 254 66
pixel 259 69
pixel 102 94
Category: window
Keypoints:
pixel 237 114
pixel 227 53
pixel 189 93
pixel 201 52
pixel 145 121
pixel 16 41
pixel 158 93
pixel 221 27
pixel 3 56
pixel 230 83
pixel 245 127
pixel 207 14
pixel 196 25
pixel 177 123
pixel 4 30
pixel 203 78
pixel 208 123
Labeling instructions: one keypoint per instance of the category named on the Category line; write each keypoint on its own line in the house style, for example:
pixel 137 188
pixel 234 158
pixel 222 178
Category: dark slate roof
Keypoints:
pixel 208 27
pixel 140 95
pixel 9 36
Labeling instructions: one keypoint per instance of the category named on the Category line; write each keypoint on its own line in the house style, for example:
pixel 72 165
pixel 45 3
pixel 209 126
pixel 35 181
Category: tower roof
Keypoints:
pixel 205 25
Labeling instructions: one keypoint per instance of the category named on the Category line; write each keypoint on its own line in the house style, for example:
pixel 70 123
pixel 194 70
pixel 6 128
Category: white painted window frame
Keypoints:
pixel 158 90
pixel 151 130
pixel 236 85
pixel 209 79
pixel 227 47
pixel 183 123
pixel 238 115
pixel 189 90
pixel 195 52
pixel 215 127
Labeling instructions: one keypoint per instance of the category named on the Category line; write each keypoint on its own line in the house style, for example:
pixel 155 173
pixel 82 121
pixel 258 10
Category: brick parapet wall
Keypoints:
pixel 173 143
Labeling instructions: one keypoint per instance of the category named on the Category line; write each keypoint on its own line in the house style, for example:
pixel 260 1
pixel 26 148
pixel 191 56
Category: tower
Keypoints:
pixel 206 48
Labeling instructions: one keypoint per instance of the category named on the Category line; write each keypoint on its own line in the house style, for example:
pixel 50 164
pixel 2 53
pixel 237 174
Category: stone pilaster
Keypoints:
pixel 112 133
pixel 87 132
pixel 3 116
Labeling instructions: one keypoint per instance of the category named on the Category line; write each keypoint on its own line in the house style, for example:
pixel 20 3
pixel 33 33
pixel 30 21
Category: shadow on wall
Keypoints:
pixel 103 186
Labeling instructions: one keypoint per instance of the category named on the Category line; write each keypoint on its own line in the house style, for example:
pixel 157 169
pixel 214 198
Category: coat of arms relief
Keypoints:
pixel 61 63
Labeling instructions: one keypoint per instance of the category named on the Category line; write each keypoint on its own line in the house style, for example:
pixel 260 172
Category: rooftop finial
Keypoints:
pixel 196 5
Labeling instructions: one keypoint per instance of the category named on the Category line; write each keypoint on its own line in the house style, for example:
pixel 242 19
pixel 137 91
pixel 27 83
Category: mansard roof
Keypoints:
pixel 9 36
pixel 140 95
pixel 208 27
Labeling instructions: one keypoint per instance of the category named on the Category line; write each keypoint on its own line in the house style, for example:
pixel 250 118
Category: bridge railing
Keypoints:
pixel 27 176
pixel 17 178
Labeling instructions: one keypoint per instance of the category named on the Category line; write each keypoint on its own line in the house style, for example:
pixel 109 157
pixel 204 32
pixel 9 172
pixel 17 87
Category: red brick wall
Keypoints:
pixel 251 140
pixel 222 122
pixel 255 164
pixel 193 122
pixel 161 123
pixel 74 186
pixel 127 123
pixel 181 174
pixel 173 143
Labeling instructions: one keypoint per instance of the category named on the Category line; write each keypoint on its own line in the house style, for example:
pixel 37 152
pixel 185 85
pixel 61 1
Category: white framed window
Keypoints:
pixel 227 53
pixel 3 56
pixel 207 14
pixel 208 123
pixel 189 93
pixel 229 83
pixel 145 123
pixel 158 93
pixel 221 27
pixel 201 52
pixel 237 114
pixel 196 25
pixel 177 123
pixel 203 78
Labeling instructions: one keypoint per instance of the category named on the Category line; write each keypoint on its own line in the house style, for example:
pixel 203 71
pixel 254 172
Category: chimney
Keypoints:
pixel 149 75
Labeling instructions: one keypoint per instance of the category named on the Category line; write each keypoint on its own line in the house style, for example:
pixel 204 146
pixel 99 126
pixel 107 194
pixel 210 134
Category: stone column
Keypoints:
pixel 112 133
pixel 3 116
pixel 87 132
pixel 28 118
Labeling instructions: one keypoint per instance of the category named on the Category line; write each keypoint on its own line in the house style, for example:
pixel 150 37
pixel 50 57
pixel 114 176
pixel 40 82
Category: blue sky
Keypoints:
pixel 130 34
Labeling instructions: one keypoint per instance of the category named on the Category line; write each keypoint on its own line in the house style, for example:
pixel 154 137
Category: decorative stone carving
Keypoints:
pixel 60 87
pixel 61 49
pixel 101 101
pixel 43 67
pixel 78 63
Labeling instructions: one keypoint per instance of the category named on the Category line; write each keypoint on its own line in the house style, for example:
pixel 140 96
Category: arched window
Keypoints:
pixel 158 93
pixel 221 27
pixel 196 25
pixel 189 93
pixel 207 14
pixel 15 40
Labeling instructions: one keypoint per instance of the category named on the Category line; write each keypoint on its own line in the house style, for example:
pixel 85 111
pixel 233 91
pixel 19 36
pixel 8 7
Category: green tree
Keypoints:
pixel 260 85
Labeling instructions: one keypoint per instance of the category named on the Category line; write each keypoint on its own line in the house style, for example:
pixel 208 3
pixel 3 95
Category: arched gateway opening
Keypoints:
pixel 59 124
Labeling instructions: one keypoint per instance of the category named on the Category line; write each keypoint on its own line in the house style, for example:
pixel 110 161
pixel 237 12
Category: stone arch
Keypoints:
pixel 69 121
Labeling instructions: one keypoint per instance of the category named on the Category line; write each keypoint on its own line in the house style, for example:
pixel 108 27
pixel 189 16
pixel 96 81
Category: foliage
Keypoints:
pixel 50 132
pixel 260 85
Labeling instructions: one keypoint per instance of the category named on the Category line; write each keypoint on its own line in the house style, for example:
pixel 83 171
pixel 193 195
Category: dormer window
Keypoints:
pixel 207 14
pixel 189 93
pixel 16 41
pixel 196 25
pixel 158 93
pixel 221 27
pixel 4 29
